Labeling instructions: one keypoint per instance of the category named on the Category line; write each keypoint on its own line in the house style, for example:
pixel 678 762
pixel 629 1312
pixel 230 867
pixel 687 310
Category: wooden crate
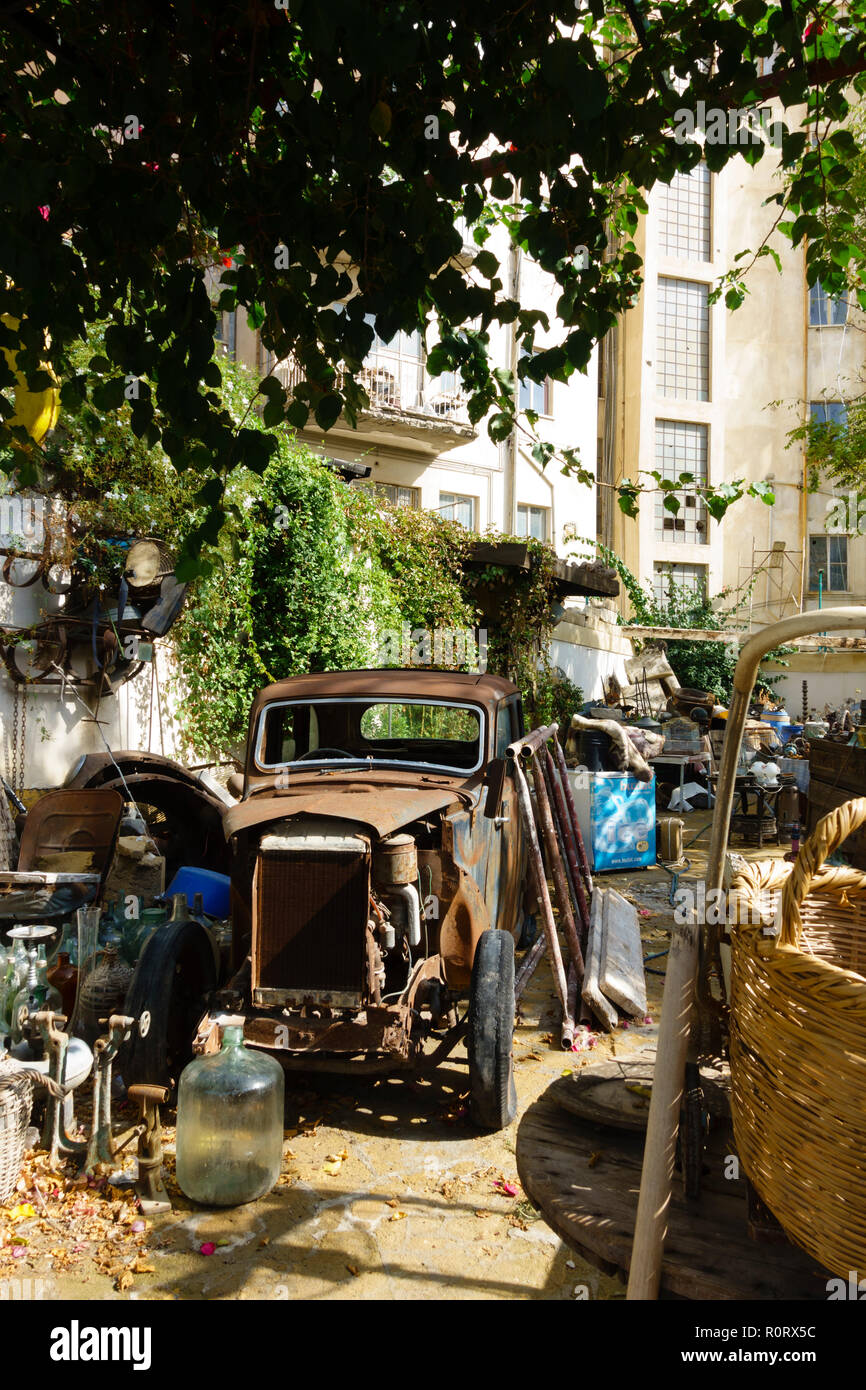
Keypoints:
pixel 836 773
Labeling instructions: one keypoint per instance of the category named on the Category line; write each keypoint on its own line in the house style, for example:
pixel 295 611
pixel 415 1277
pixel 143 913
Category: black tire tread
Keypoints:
pixel 154 988
pixel 492 1093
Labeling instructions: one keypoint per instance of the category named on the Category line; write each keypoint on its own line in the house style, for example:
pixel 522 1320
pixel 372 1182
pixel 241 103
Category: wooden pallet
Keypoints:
pixel 584 1177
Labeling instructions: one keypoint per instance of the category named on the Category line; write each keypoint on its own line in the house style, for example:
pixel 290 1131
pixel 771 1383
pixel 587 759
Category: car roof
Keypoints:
pixel 480 689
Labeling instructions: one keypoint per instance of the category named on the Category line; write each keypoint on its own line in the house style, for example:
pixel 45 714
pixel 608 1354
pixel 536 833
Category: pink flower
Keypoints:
pixel 208 1248
pixel 507 1188
pixel 44 211
pixel 138 1227
pixel 18 1252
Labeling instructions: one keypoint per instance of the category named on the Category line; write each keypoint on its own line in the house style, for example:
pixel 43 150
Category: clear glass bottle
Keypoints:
pixel 230 1124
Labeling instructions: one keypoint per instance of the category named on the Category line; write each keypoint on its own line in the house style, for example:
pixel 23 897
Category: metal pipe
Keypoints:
pixel 572 811
pixel 567 831
pixel 530 743
pixel 527 969
pixel 409 893
pixel 573 998
pixel 540 885
pixel 566 916
pixel 679 991
pixel 560 834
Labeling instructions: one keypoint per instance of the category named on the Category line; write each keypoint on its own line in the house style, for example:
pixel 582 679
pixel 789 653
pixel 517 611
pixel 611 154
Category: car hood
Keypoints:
pixel 383 808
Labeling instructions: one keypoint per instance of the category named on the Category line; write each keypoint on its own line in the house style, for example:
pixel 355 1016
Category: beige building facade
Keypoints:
pixel 689 386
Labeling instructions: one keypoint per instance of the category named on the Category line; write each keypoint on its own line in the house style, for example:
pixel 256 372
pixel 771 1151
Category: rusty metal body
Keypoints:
pixel 66 852
pixel 362 881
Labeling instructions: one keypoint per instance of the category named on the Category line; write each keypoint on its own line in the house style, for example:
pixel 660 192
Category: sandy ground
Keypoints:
pixel 420 1206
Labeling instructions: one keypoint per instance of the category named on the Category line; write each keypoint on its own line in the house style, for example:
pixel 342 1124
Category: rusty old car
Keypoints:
pixel 377 881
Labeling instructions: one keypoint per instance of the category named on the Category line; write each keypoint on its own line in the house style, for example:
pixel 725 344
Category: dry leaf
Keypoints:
pixel 397 1216
pixel 593 1158
pixel 142 1267
pixel 21 1212
pixel 334 1162
pixel 393 1203
pixel 353 1269
pixel 124 1281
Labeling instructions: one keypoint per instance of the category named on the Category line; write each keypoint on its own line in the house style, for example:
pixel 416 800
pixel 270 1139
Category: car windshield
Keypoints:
pixel 424 733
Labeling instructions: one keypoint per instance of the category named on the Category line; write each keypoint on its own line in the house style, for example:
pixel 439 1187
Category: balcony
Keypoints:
pixel 403 399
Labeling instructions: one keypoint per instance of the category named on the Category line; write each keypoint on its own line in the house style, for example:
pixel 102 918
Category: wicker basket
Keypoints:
pixel 798 1042
pixel 16 1098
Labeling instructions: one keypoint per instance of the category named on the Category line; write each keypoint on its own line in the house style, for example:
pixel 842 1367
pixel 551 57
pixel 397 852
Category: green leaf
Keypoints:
pixel 380 119
pixel 486 263
pixel 499 427
pixel 328 410
pixel 273 413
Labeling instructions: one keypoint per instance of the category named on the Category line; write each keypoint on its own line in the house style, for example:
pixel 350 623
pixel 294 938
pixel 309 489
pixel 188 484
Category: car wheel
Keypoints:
pixel 167 997
pixel 492 1093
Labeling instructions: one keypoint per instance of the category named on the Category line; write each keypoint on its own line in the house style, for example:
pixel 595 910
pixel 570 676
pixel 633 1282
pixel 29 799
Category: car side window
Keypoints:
pixel 504 730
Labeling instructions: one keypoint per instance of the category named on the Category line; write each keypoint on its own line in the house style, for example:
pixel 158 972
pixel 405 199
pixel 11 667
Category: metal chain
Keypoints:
pixel 19 737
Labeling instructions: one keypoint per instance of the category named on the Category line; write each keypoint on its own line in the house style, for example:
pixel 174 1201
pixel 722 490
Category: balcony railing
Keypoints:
pixel 393 383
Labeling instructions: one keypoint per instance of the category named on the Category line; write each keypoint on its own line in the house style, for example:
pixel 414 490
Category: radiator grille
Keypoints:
pixel 311 907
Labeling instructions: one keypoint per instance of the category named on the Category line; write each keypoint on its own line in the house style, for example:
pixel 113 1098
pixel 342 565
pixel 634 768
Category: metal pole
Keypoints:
pixel 530 743
pixel 677 1002
pixel 527 969
pixel 540 886
pixel 566 916
pixel 567 832
pixel 572 811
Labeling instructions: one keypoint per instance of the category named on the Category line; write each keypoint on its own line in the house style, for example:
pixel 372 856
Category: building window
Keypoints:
pixel 683 339
pixel 673 582
pixel 535 395
pixel 684 216
pixel 533 521
pixel 395 493
pixel 682 448
pixel 828 412
pixel 824 311
pixel 828 563
pixel 226 332
pixel 456 508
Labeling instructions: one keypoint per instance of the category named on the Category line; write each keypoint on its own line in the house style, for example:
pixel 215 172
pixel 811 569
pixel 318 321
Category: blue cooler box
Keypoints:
pixel 617 816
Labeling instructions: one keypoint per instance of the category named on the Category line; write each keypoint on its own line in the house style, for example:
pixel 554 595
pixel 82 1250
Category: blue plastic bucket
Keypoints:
pixel 214 889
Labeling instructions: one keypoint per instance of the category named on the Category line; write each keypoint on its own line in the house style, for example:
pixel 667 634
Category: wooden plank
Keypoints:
pixel 651 662
pixel 591 992
pixel 585 1180
pixel 621 976
pixel 824 798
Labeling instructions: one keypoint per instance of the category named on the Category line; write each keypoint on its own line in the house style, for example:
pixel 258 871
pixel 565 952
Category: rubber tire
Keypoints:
pixel 492 1093
pixel 174 976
